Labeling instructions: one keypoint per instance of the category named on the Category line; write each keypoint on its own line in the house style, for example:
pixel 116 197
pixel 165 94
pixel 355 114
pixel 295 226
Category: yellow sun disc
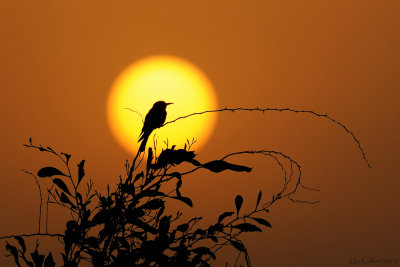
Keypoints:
pixel 169 79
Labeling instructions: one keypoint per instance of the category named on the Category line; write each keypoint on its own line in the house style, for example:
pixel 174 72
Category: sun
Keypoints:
pixel 166 78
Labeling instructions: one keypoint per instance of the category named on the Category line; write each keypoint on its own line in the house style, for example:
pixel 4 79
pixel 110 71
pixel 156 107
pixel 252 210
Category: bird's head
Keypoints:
pixel 161 104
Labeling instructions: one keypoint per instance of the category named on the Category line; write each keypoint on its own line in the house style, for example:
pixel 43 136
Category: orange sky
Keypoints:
pixel 59 59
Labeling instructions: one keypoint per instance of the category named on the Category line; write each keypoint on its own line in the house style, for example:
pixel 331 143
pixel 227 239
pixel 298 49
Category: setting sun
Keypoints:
pixel 169 79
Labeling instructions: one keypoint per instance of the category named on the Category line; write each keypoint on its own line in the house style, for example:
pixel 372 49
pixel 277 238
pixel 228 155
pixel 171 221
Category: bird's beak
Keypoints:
pixel 168 104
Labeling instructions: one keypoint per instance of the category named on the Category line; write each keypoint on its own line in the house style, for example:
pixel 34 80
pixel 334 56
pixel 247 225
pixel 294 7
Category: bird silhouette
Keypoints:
pixel 155 118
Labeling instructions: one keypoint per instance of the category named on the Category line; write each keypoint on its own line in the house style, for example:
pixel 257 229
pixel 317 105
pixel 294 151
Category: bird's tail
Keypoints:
pixel 143 144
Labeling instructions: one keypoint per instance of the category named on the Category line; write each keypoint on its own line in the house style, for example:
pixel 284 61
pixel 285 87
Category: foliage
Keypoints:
pixel 129 226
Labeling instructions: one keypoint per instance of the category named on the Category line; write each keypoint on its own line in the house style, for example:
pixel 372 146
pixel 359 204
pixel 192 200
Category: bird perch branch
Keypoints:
pixel 263 110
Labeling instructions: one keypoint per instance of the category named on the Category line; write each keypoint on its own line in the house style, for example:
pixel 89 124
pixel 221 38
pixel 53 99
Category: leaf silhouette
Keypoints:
pixel 182 228
pixel 100 217
pixel 199 232
pixel 61 185
pixel 37 258
pixel 262 221
pixel 49 171
pixel 185 200
pixel 224 215
pixel 138 176
pixel 65 199
pixel 153 204
pixel 49 262
pixel 258 198
pixel 247 227
pixel 67 156
pixel 81 171
pixel 220 165
pixel 14 252
pixel 214 238
pixel 238 203
pixel 21 242
pixel 237 245
pixel 204 251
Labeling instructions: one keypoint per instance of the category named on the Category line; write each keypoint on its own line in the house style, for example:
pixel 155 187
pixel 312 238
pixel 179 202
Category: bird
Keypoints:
pixel 154 119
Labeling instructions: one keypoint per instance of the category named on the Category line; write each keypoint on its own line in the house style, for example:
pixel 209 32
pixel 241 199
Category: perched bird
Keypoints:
pixel 155 118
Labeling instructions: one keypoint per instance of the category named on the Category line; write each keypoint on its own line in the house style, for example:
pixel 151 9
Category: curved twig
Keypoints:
pixel 140 114
pixel 263 110
pixel 41 198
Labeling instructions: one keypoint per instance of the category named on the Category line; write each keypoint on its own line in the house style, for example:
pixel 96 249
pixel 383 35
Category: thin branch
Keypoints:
pixel 29 235
pixel 41 198
pixel 141 116
pixel 47 207
pixel 297 183
pixel 263 110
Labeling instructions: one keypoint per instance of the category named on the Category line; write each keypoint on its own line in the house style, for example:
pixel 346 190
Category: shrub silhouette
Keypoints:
pixel 129 226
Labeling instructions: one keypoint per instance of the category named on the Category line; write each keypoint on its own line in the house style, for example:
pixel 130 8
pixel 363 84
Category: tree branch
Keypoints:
pixel 28 235
pixel 263 110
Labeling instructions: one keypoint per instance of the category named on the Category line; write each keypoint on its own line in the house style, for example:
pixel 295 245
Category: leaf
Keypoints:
pixel 153 204
pixel 182 228
pixel 262 221
pixel 65 199
pixel 99 218
pixel 61 185
pixel 258 198
pixel 238 203
pixel 224 215
pixel 214 238
pixel 247 227
pixel 176 175
pixel 204 251
pixel 220 165
pixel 14 252
pixel 21 243
pixel 199 232
pixel 145 226
pixel 67 156
pixel 138 176
pixel 49 262
pixel 186 200
pixel 239 246
pixel 81 171
pixel 37 258
pixel 49 171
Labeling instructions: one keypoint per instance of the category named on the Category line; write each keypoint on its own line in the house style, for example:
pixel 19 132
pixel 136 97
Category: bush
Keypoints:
pixel 129 226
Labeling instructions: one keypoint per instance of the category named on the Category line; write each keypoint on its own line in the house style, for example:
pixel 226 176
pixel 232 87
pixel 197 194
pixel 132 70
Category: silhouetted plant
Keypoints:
pixel 129 225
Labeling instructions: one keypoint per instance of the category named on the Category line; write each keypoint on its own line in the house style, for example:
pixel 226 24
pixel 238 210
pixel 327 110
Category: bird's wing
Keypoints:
pixel 146 125
pixel 160 119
